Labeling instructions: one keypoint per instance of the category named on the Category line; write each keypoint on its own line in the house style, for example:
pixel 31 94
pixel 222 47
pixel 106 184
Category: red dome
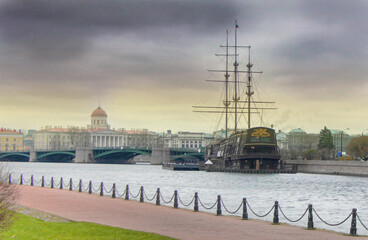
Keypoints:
pixel 99 112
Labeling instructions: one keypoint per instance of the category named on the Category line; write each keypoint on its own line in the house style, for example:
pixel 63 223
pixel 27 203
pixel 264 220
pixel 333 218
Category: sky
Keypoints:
pixel 145 62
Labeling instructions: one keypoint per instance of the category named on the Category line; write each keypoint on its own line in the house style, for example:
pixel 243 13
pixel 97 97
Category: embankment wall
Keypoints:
pixel 348 168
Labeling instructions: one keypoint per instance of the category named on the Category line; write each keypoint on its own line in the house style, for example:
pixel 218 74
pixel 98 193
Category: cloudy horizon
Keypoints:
pixel 146 62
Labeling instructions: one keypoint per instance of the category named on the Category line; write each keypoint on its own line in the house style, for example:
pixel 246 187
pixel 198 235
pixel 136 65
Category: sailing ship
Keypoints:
pixel 253 149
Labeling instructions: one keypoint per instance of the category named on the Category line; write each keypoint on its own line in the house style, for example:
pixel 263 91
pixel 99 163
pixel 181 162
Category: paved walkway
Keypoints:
pixel 176 223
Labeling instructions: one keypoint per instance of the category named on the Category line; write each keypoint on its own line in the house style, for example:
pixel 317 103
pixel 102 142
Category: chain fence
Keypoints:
pixel 290 220
pixel 141 195
pixel 231 212
pixel 332 224
pixel 259 215
pixel 167 202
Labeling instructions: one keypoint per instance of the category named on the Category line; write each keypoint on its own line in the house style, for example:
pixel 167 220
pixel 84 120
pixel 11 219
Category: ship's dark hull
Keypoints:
pixel 245 151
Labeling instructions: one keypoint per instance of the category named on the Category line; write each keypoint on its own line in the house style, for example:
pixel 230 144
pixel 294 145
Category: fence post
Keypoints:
pixel 127 192
pixel 90 187
pixel 276 213
pixel 42 181
pixel 9 178
pixel 101 189
pixel 245 210
pixel 61 183
pixel 113 195
pixel 52 182
pixel 21 179
pixel 141 199
pixel 176 199
pixel 219 212
pixel 310 217
pixel 196 202
pixel 70 184
pixel 31 180
pixel 80 185
pixel 353 228
pixel 158 197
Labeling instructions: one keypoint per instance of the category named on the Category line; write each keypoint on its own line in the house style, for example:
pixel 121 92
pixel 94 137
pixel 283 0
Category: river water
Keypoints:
pixel 333 197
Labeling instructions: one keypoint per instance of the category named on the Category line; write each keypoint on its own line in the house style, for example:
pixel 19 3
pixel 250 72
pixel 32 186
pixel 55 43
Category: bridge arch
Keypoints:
pixel 57 156
pixel 15 154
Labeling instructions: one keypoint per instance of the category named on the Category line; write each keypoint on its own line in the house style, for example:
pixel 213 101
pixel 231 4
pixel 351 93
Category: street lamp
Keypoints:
pixel 364 131
pixel 341 140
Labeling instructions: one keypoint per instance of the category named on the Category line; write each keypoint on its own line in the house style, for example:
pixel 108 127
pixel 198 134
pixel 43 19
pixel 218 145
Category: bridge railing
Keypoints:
pixel 244 208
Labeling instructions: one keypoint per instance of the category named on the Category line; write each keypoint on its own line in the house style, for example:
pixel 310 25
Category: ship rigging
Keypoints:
pixel 252 148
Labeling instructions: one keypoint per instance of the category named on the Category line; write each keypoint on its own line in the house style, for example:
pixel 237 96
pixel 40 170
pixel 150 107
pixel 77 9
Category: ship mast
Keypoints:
pixel 236 64
pixel 249 85
pixel 228 108
pixel 226 103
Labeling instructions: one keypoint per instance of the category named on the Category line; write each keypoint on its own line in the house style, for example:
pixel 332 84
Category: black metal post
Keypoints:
pixel 90 187
pixel 245 210
pixel 158 197
pixel 52 182
pixel 196 202
pixel 113 195
pixel 310 217
pixel 70 184
pixel 141 199
pixel 219 212
pixel 353 228
pixel 80 185
pixel 61 183
pixel 127 192
pixel 101 189
pixel 21 179
pixel 9 178
pixel 42 181
pixel 31 180
pixel 276 213
pixel 176 205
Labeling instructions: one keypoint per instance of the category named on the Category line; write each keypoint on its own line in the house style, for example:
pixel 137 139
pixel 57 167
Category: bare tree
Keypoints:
pixel 8 194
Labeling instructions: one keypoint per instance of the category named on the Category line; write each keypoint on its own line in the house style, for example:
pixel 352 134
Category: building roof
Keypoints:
pixel 281 136
pixel 297 130
pixel 99 112
pixel 337 131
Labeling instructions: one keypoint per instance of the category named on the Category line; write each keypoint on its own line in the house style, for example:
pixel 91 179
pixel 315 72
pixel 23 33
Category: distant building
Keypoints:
pixel 98 134
pixel 282 140
pixel 193 140
pixel 101 134
pixel 340 139
pixel 28 140
pixel 11 140
pixel 59 138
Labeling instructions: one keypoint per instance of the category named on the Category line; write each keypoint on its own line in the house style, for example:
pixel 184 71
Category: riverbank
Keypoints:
pixel 176 223
pixel 346 168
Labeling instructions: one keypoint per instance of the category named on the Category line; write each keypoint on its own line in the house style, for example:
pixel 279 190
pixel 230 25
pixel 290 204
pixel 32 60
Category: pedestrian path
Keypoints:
pixel 177 223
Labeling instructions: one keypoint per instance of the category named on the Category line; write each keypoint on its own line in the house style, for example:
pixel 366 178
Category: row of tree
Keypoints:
pixel 356 149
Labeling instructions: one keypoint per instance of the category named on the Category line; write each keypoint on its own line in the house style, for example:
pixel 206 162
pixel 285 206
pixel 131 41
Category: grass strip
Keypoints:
pixel 26 227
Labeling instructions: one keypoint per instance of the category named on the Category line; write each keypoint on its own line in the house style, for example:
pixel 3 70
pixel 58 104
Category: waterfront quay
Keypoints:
pixel 177 223
pixel 333 197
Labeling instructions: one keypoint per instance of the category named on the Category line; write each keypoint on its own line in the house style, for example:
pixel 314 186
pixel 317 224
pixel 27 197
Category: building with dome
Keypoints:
pixel 98 134
pixel 99 119
pixel 101 134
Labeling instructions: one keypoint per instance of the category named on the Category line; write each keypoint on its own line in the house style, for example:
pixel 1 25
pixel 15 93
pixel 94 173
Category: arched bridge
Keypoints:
pixel 102 155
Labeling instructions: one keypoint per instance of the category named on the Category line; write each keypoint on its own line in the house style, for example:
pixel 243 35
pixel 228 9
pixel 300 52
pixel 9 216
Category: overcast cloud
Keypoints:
pixel 66 55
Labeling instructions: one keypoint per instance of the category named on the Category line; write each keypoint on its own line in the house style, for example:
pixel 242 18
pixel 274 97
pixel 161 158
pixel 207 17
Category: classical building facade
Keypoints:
pixel 59 138
pixel 11 140
pixel 193 140
pixel 98 134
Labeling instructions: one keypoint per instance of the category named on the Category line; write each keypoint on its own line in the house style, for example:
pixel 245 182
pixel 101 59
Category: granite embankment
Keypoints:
pixel 348 168
pixel 177 223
